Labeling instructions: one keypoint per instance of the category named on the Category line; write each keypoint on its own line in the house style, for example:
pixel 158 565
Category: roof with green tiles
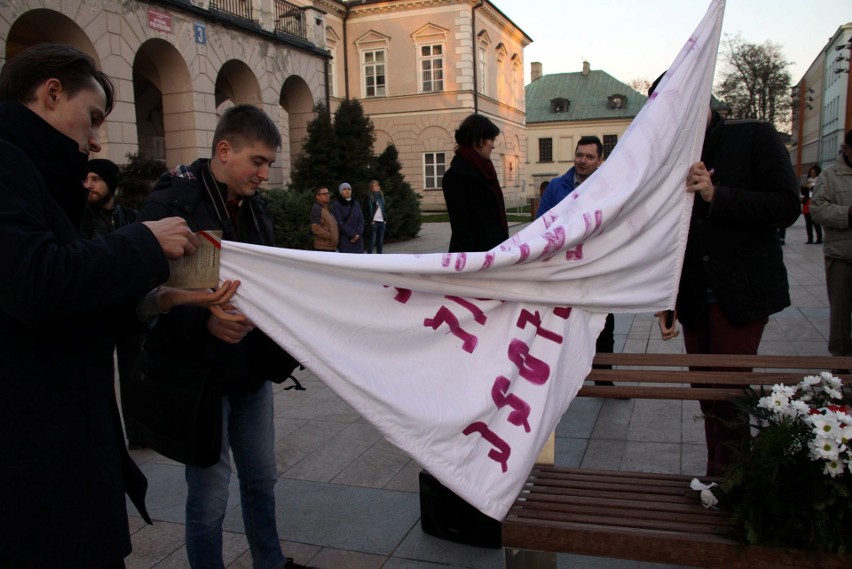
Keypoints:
pixel 590 97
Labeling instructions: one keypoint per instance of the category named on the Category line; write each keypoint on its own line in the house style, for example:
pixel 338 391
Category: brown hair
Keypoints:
pixel 23 73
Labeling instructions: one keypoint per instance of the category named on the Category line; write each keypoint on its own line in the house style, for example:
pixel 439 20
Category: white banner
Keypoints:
pixel 467 361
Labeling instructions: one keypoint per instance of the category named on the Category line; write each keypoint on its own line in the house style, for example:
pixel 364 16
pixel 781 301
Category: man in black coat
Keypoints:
pixel 733 274
pixel 63 299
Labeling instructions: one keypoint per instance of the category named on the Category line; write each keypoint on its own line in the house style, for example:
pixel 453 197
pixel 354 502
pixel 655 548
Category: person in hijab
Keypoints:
pixel 350 221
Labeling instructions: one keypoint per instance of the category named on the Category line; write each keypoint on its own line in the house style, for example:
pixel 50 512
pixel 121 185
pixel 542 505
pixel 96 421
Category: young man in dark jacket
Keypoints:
pixel 221 194
pixel 65 467
pixel 733 274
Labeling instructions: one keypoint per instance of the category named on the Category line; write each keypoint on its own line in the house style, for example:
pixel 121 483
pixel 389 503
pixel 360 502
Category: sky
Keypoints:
pixel 632 39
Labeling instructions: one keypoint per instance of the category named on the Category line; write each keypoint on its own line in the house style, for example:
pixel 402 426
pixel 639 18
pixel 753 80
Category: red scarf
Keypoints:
pixel 485 167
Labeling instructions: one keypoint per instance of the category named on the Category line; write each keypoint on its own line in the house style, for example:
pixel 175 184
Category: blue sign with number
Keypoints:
pixel 201 33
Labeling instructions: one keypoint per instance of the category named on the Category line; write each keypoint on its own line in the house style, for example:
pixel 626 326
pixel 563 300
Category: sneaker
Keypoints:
pixel 293 565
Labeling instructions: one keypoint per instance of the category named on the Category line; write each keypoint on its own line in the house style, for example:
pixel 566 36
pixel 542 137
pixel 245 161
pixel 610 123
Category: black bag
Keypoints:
pixel 445 515
pixel 175 408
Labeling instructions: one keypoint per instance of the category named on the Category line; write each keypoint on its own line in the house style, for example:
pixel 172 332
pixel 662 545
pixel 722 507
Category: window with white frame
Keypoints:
pixel 434 166
pixel 483 70
pixel 431 68
pixel 374 72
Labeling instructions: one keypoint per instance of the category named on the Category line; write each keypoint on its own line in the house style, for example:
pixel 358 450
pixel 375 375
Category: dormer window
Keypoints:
pixel 559 105
pixel 617 102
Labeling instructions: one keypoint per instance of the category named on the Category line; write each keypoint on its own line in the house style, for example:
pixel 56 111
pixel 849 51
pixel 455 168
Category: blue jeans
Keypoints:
pixel 377 237
pixel 248 429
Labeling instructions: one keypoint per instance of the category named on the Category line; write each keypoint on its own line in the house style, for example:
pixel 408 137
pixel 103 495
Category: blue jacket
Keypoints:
pixel 557 191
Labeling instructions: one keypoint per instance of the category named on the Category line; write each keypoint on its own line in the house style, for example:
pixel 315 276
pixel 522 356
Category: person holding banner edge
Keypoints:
pixel 220 193
pixel 733 273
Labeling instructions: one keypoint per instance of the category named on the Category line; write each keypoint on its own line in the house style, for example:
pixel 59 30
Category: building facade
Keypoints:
pixel 562 108
pixel 177 64
pixel 822 105
pixel 419 67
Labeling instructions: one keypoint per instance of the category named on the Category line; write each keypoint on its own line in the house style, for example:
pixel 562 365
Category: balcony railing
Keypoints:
pixel 238 8
pixel 290 19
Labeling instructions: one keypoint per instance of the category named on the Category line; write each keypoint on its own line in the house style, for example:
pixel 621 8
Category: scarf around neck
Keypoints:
pixel 485 167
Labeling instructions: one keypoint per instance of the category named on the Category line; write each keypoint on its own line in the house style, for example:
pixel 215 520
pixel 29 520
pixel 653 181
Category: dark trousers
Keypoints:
pixel 723 424
pixel 605 344
pixel 810 227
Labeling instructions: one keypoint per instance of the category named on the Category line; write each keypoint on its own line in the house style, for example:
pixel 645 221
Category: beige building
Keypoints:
pixel 177 64
pixel 418 66
pixel 562 108
pixel 421 66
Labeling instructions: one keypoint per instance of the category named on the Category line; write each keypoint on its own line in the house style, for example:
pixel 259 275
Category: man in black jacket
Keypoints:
pixel 104 215
pixel 733 274
pixel 62 300
pixel 221 194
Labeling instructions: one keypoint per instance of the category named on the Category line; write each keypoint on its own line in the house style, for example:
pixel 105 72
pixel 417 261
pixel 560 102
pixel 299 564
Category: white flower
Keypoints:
pixel 800 407
pixel 824 425
pixel 774 402
pixel 830 380
pixel 832 392
pixel 844 435
pixel 825 448
pixel 833 467
pixel 810 380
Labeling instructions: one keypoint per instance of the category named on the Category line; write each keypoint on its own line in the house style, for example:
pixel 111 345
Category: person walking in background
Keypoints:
pixel 807 191
pixel 65 469
pixel 221 194
pixel 831 207
pixel 350 221
pixel 472 191
pixel 733 277
pixel 323 225
pixel 104 215
pixel 376 217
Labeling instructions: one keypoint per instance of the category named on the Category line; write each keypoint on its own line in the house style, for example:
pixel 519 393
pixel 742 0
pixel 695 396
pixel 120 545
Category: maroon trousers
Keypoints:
pixel 723 424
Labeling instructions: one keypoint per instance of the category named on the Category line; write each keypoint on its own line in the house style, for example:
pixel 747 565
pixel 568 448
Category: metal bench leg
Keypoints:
pixel 528 559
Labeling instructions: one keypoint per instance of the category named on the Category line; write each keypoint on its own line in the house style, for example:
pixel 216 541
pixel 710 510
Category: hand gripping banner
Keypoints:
pixel 467 361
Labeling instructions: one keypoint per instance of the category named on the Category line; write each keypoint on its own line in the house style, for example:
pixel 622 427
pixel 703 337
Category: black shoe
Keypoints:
pixel 818 242
pixel 808 242
pixel 293 565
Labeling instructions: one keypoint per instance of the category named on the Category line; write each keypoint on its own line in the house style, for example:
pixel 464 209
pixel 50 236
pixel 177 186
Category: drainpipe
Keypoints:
pixel 475 55
pixel 327 86
pixel 345 52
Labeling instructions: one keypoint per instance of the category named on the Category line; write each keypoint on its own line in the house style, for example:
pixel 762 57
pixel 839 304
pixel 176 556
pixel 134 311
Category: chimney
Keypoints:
pixel 585 68
pixel 535 70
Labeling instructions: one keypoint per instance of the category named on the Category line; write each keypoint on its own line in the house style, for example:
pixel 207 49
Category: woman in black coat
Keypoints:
pixel 471 189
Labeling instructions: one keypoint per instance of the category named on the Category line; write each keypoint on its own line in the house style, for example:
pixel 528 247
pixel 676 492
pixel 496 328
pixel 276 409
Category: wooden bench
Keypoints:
pixel 649 516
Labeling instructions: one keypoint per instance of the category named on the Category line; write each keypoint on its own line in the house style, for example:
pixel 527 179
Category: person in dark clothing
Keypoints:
pixel 350 221
pixel 733 273
pixel 471 190
pixel 807 191
pixel 65 467
pixel 104 215
pixel 220 193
